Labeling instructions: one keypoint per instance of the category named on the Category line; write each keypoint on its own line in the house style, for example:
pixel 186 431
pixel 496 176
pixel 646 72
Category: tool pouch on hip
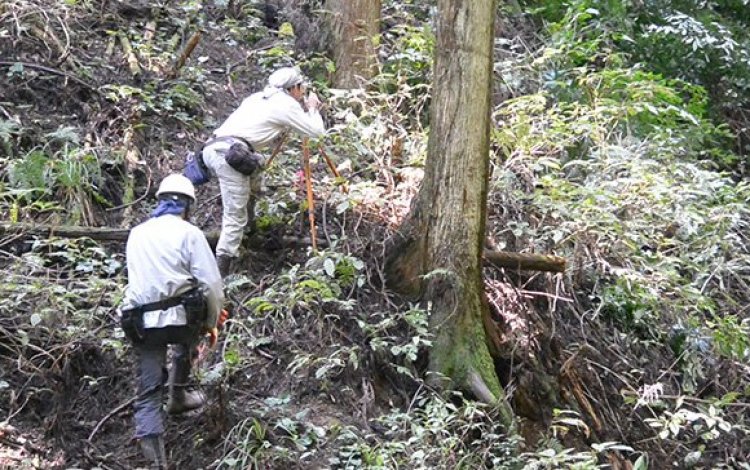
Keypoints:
pixel 241 157
pixel 195 168
pixel 196 307
pixel 131 322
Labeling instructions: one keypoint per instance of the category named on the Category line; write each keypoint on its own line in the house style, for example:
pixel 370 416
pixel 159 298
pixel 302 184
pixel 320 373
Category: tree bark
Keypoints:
pixel 354 26
pixel 442 240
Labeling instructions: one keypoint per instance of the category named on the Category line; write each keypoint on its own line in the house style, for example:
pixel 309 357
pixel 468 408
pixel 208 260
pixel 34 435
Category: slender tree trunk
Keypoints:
pixel 440 251
pixel 355 25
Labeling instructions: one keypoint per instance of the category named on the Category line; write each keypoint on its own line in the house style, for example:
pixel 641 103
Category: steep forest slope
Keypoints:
pixel 620 142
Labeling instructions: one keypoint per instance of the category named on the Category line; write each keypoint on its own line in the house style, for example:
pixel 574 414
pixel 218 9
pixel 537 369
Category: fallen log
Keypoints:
pixel 109 234
pixel 525 261
pixel 23 230
pixel 503 259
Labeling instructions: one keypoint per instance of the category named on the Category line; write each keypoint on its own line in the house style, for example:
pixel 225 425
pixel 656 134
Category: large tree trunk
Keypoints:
pixel 355 25
pixel 440 250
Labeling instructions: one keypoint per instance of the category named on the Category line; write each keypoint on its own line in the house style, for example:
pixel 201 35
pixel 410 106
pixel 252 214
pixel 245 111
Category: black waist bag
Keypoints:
pixel 131 322
pixel 241 157
pixel 196 309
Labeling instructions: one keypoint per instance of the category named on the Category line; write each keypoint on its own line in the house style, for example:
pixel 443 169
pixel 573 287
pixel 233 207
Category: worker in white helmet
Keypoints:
pixel 174 296
pixel 283 105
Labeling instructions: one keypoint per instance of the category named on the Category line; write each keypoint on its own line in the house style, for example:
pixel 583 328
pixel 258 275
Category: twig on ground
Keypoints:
pixel 115 411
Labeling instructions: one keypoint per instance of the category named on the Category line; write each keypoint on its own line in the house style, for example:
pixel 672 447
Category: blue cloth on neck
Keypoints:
pixel 169 206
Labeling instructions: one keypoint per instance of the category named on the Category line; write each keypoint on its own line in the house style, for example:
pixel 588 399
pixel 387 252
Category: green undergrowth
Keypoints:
pixel 628 173
pixel 320 323
pixel 608 151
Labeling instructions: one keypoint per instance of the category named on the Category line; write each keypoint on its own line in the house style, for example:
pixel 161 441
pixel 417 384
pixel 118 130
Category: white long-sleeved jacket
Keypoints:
pixel 167 256
pixel 263 116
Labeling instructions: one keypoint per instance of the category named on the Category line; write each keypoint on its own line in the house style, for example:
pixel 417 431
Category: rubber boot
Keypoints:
pixel 152 448
pixel 180 398
pixel 224 263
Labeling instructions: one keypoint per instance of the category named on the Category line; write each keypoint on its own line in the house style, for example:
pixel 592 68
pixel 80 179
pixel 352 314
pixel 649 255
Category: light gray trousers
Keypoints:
pixel 236 190
pixel 152 374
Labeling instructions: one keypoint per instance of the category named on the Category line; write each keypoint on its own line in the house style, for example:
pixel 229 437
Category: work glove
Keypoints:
pixel 213 337
pixel 213 333
pixel 223 315
pixel 312 101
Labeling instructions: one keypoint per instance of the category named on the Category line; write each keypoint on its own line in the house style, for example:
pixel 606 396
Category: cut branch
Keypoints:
pixel 135 69
pixel 192 42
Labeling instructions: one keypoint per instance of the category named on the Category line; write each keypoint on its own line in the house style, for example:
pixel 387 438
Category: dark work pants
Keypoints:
pixel 151 376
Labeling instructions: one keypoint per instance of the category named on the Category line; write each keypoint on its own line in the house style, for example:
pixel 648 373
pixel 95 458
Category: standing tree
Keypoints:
pixel 439 248
pixel 355 25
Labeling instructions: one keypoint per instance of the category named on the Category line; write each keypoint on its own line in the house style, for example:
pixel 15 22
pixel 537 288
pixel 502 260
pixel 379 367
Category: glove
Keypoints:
pixel 223 315
pixel 213 337
pixel 312 102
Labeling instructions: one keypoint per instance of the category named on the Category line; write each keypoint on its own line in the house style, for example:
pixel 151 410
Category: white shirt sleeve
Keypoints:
pixel 204 269
pixel 308 123
pixel 260 120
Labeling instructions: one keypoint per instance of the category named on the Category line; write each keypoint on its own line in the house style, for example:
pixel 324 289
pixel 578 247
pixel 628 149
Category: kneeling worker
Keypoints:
pixel 174 296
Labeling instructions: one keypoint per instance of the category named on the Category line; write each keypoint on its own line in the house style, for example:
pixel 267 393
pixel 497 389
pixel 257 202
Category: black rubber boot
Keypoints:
pixel 180 398
pixel 152 448
pixel 225 264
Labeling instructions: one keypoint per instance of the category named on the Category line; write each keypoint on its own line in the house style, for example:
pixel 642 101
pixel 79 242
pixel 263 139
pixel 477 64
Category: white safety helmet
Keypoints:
pixel 177 184
pixel 286 78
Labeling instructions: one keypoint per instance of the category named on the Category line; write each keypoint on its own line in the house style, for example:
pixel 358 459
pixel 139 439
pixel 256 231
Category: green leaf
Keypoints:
pixel 342 207
pixel 641 463
pixel 16 68
pixel 329 266
pixel 286 30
